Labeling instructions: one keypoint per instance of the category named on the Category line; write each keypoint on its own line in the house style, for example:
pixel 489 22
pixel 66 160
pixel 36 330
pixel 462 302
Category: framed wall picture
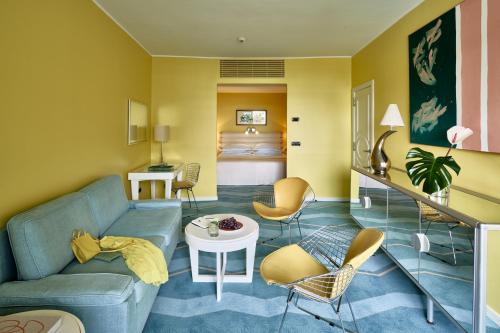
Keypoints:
pixel 251 117
pixel 137 122
pixel 455 76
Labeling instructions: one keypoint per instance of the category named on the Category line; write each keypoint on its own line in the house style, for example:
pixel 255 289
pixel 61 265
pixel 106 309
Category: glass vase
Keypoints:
pixel 441 197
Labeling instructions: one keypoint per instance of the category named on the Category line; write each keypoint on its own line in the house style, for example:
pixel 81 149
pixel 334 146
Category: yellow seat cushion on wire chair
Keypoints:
pixel 271 213
pixel 182 184
pixel 289 264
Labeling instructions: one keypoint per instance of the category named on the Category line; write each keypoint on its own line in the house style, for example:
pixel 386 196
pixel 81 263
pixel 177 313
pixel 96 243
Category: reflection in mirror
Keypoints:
pixel 447 268
pixel 369 204
pixel 402 224
pixel 137 122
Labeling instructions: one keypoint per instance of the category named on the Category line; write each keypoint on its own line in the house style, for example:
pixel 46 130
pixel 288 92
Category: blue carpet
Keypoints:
pixel 384 298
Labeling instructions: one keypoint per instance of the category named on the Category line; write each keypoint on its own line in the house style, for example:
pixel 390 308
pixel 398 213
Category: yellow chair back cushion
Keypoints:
pixel 364 245
pixel 289 193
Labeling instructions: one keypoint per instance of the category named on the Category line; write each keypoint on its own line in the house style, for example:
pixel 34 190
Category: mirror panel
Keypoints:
pixel 137 122
pixel 402 224
pixel 369 206
pixel 447 269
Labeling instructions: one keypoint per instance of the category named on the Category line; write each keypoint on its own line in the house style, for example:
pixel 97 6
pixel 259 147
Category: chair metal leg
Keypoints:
pixel 289 234
pixel 428 225
pixel 338 314
pixel 300 231
pixel 274 237
pixel 352 312
pixel 453 248
pixel 189 199
pixel 288 299
pixel 194 198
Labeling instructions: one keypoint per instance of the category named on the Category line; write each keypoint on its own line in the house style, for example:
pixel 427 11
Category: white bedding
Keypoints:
pixel 250 159
pixel 250 171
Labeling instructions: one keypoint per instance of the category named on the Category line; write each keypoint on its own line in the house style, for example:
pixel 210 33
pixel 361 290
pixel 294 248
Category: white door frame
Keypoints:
pixel 369 84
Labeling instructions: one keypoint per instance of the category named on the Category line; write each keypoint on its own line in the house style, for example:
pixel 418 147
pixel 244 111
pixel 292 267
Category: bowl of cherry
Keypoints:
pixel 230 224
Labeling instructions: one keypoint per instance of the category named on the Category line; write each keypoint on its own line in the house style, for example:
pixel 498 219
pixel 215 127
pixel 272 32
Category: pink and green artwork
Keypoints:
pixel 455 76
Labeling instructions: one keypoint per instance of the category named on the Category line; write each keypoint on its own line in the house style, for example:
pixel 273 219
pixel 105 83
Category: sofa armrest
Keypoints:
pixel 154 204
pixel 98 289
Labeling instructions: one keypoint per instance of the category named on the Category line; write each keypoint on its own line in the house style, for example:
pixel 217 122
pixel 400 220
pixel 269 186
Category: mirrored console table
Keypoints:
pixel 450 249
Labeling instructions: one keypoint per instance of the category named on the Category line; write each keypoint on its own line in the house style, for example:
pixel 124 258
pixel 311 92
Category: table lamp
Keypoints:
pixel 161 134
pixel 380 162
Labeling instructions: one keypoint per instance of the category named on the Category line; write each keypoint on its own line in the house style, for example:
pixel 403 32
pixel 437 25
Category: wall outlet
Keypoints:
pixel 295 119
pixel 295 143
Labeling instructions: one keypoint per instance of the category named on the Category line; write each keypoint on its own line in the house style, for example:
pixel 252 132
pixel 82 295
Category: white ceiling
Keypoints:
pixel 273 28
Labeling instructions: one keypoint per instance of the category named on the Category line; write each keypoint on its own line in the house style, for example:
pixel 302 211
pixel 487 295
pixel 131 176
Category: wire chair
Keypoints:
pixel 432 215
pixel 329 258
pixel 297 192
pixel 190 179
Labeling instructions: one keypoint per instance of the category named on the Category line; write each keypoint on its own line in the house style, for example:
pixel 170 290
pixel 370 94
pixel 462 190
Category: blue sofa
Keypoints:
pixel 38 269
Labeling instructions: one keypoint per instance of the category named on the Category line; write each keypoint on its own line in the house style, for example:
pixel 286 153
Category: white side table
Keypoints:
pixel 198 239
pixel 143 174
pixel 70 323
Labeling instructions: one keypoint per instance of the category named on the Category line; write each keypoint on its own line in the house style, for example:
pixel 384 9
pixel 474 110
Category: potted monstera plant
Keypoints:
pixel 433 171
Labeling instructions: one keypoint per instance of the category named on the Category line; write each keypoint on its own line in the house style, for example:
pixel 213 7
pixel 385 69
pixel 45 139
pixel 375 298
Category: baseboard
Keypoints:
pixel 493 315
pixel 332 199
pixel 215 198
pixel 355 201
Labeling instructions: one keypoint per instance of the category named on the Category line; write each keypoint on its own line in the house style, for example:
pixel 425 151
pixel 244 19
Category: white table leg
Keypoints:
pixel 179 178
pixel 219 277
pixel 153 189
pixel 135 189
pixel 193 255
pixel 250 262
pixel 168 188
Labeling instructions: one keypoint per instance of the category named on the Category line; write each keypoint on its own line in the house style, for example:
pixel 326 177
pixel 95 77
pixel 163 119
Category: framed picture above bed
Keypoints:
pixel 251 117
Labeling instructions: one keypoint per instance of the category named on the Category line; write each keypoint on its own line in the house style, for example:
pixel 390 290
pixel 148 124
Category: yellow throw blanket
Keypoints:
pixel 141 256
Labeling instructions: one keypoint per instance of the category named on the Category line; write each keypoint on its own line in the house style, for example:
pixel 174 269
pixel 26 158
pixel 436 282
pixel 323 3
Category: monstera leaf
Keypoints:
pixel 429 169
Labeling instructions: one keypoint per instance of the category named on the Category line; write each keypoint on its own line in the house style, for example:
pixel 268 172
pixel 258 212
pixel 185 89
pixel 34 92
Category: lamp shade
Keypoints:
pixel 392 117
pixel 161 133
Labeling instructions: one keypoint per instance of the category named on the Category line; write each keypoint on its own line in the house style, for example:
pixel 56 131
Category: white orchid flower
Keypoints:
pixel 457 134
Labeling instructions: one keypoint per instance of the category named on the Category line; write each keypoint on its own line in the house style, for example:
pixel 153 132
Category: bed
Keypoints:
pixel 250 159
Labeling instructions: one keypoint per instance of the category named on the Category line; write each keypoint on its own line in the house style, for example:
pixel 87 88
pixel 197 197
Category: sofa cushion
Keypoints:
pixel 116 266
pixel 148 222
pixel 41 237
pixel 67 290
pixel 7 265
pixel 107 200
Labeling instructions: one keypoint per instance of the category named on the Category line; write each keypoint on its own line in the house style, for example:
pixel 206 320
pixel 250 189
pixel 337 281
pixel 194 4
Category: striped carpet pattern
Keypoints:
pixel 383 297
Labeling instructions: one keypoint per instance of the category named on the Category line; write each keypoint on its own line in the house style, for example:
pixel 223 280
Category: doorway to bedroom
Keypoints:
pixel 251 134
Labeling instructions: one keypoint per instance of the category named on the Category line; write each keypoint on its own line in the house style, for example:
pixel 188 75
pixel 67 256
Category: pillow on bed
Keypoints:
pixel 235 152
pixel 225 146
pixel 267 152
pixel 268 145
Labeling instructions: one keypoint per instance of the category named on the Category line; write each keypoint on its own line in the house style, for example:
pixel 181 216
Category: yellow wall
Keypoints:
pixel 319 93
pixel 228 103
pixel 385 60
pixel 67 72
pixel 184 96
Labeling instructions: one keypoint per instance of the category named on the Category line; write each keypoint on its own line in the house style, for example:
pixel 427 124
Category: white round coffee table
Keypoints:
pixel 69 322
pixel 198 239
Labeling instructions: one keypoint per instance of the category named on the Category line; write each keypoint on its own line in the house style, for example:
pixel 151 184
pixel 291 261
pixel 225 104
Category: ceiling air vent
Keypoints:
pixel 252 68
